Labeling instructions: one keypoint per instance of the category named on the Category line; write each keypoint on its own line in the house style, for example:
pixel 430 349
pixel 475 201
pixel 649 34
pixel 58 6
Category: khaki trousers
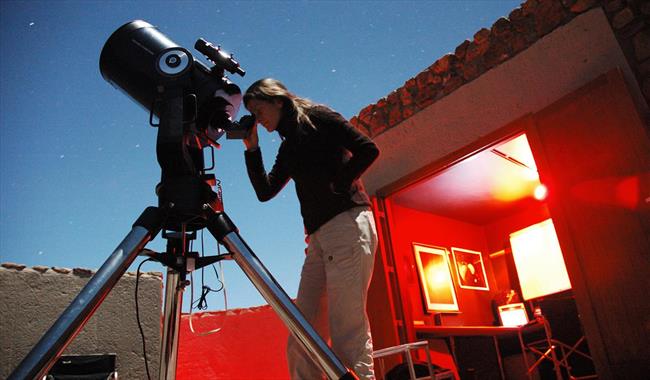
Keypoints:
pixel 333 292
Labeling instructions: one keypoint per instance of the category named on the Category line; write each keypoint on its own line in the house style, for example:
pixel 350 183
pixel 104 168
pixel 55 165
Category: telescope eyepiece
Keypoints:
pixel 218 57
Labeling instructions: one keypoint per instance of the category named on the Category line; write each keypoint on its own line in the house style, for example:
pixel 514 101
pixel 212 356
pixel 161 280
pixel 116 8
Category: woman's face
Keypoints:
pixel 267 113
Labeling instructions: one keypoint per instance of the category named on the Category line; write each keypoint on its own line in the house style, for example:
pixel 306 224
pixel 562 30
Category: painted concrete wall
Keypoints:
pixel 31 299
pixel 557 64
pixel 250 345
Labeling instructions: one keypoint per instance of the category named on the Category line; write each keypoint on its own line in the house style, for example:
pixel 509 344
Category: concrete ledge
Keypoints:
pixel 31 299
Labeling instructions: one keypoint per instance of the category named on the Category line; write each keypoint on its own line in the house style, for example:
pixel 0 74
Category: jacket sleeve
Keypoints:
pixel 266 186
pixel 363 150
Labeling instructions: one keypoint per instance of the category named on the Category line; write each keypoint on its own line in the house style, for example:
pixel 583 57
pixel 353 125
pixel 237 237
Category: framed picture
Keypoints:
pixel 470 269
pixel 435 278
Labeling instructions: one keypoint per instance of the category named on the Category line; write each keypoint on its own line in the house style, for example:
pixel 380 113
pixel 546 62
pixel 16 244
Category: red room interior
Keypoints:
pixel 470 207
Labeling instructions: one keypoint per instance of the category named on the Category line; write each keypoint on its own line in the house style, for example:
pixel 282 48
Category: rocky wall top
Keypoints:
pixel 508 36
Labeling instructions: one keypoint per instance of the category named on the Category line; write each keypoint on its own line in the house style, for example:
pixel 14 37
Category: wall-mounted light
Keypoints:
pixel 541 192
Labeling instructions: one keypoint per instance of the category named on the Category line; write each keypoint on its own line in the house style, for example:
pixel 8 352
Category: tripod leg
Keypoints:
pixel 41 358
pixel 226 233
pixel 171 322
pixel 174 286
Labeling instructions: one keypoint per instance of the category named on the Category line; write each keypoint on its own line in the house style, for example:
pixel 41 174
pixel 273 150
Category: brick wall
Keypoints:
pixel 508 36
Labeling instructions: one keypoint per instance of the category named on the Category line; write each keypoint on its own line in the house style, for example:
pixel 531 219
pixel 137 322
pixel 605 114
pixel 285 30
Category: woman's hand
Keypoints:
pixel 251 141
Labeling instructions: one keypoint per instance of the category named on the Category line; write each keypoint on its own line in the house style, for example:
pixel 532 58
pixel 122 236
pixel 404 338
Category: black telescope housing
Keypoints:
pixel 137 58
pixel 195 104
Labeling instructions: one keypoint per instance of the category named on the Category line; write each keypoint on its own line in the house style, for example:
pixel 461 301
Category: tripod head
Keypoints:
pixel 194 104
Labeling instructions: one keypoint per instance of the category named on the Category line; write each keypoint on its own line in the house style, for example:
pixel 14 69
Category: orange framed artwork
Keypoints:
pixel 435 278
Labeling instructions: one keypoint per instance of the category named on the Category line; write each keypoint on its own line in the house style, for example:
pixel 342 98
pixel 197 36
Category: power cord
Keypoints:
pixel 202 302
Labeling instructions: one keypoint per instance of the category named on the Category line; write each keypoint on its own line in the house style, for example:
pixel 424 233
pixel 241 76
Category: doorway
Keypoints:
pixel 473 211
pixel 592 152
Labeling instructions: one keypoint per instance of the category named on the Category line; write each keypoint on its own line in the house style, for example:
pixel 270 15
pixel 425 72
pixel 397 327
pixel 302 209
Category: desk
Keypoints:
pixel 436 332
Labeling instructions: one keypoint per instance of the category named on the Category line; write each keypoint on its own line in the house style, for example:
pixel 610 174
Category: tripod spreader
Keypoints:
pixel 190 262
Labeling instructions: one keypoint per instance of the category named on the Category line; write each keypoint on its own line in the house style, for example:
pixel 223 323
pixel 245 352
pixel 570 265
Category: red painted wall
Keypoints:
pixel 410 226
pixel 250 345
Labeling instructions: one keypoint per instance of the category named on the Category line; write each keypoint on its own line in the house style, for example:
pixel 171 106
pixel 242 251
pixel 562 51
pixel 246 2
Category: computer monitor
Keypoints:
pixel 513 314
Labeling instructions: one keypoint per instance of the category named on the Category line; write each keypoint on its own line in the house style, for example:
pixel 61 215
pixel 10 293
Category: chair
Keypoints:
pixel 405 349
pixel 547 349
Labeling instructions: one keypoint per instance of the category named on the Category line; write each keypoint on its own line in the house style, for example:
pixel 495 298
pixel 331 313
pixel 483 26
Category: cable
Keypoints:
pixel 221 279
pixel 202 302
pixel 190 316
pixel 221 284
pixel 137 316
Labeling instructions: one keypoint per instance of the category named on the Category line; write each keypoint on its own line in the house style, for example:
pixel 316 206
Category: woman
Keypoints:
pixel 325 156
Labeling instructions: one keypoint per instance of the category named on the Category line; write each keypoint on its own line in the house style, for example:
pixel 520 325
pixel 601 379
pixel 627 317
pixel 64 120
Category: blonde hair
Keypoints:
pixel 269 89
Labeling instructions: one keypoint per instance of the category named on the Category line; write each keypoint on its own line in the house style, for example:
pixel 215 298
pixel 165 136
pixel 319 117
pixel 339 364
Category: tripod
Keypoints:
pixel 186 203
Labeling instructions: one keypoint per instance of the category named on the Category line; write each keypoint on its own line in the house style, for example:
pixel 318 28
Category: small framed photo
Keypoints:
pixel 470 269
pixel 435 278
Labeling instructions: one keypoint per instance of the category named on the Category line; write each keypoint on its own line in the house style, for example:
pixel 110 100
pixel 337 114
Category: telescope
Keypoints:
pixel 192 106
pixel 137 59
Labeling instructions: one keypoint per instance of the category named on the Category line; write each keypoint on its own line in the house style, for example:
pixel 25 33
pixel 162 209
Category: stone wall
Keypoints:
pixel 630 20
pixel 31 299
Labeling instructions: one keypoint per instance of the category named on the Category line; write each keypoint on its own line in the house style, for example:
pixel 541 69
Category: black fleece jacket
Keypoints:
pixel 325 163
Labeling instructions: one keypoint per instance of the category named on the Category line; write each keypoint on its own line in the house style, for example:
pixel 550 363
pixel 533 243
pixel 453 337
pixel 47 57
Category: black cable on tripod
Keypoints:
pixel 137 316
pixel 202 302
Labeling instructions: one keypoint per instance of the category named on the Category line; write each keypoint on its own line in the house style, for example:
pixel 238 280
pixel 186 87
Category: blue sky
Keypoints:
pixel 77 157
